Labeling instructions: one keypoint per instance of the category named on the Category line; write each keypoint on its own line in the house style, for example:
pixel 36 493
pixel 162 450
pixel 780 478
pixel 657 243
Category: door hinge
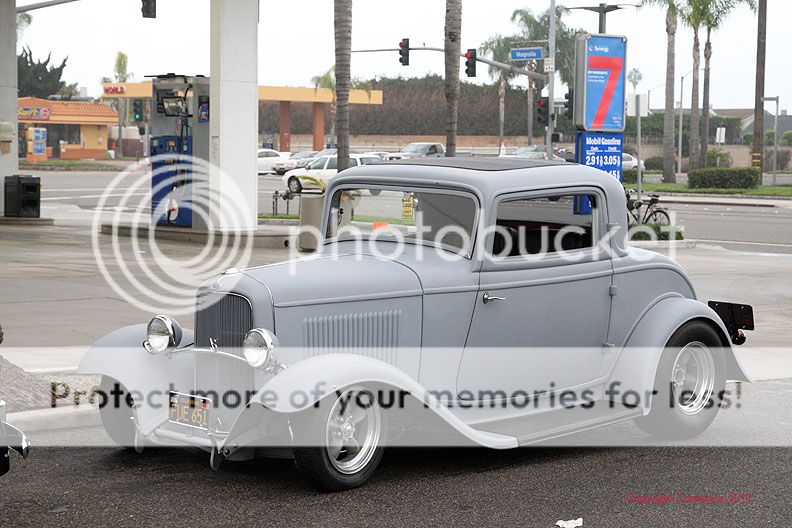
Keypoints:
pixel 612 290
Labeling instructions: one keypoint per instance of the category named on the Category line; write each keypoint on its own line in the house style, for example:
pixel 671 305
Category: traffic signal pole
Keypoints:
pixel 550 81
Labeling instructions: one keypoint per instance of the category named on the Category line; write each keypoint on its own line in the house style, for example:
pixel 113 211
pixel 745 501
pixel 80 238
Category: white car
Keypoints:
pixel 297 160
pixel 631 162
pixel 267 159
pixel 322 169
pixel 532 152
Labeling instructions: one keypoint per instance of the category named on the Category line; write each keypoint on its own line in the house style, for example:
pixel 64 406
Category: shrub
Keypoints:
pixel 748 139
pixel 769 138
pixel 783 160
pixel 661 232
pixel 630 176
pixel 719 158
pixel 654 163
pixel 724 178
pixel 786 138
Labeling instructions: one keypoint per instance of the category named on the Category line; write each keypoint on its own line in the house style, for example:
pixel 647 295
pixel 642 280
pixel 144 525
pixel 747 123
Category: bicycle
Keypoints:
pixel 652 214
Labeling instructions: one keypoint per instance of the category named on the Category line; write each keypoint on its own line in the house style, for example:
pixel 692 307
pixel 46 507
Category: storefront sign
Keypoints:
pixel 115 90
pixel 26 113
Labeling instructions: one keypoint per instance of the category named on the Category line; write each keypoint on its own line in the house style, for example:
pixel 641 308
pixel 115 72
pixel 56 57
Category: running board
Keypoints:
pixel 553 424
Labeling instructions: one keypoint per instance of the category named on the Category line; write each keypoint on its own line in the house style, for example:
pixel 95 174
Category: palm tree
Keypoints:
pixel 343 76
pixel 453 45
pixel 715 14
pixel 328 80
pixel 692 14
pixel 533 28
pixel 669 173
pixel 23 21
pixel 635 77
pixel 499 47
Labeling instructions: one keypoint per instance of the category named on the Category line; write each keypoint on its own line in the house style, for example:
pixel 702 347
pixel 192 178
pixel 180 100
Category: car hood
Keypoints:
pixel 335 278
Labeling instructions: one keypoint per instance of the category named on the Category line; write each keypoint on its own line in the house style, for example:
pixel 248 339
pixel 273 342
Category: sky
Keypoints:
pixel 296 41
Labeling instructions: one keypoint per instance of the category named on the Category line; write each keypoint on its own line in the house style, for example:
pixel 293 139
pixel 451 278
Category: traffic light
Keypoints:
pixel 149 9
pixel 404 52
pixel 470 62
pixel 137 110
pixel 543 110
pixel 569 105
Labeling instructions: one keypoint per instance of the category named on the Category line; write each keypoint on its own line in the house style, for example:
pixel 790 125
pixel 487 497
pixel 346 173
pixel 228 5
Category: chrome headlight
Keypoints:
pixel 163 334
pixel 259 347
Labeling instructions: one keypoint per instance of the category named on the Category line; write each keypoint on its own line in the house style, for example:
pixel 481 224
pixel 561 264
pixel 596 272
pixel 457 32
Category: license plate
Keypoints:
pixel 189 410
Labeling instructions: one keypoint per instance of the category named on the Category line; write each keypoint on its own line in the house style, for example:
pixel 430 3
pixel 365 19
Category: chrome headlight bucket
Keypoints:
pixel 163 334
pixel 259 347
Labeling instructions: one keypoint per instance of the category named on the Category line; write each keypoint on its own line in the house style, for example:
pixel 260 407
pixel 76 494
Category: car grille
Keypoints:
pixel 225 321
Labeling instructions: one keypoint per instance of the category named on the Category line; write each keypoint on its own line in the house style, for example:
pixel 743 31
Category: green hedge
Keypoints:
pixel 654 163
pixel 661 232
pixel 630 176
pixel 724 178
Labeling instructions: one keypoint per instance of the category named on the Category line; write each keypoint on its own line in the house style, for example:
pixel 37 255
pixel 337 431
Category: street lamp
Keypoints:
pixel 649 95
pixel 775 136
pixel 603 9
pixel 681 113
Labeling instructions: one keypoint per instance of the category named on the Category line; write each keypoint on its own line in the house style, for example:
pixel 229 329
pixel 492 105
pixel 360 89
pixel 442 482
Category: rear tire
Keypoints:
pixel 117 414
pixel 689 384
pixel 344 441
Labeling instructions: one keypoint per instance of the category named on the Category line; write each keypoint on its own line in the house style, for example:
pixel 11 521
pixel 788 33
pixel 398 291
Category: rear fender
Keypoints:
pixel 636 366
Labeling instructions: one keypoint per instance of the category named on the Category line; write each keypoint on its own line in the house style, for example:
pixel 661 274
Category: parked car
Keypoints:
pixel 11 438
pixel 419 150
pixel 532 152
pixel 630 162
pixel 441 290
pixel 321 169
pixel 378 153
pixel 297 160
pixel 267 159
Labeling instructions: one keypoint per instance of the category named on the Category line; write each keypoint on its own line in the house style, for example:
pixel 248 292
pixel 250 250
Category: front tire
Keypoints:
pixel 348 438
pixel 688 386
pixel 660 217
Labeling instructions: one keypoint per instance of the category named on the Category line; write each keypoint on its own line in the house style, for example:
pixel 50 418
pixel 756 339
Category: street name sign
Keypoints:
pixel 600 77
pixel 527 54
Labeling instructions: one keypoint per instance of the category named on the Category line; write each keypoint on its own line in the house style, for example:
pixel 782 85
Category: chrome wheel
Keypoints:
pixel 693 378
pixel 353 430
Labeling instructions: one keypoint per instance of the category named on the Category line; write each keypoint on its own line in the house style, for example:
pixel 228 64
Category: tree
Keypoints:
pixel 716 13
pixel 120 73
pixel 669 172
pixel 533 28
pixel 693 14
pixel 453 49
pixel 328 80
pixel 342 21
pixel 499 48
pixel 23 21
pixel 635 77
pixel 757 149
pixel 37 78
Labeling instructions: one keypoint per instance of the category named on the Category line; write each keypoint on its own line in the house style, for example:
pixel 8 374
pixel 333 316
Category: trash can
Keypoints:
pixel 22 196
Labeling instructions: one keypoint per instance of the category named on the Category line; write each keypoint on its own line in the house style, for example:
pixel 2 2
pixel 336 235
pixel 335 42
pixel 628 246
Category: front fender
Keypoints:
pixel 120 355
pixel 636 366
pixel 307 382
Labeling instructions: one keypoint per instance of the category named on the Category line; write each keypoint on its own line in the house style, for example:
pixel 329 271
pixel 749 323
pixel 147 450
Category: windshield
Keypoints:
pixel 415 148
pixel 441 218
pixel 303 155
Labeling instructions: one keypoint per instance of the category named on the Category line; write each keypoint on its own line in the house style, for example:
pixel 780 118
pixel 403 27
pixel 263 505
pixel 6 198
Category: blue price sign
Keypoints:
pixel 602 151
pixel 527 54
pixel 601 72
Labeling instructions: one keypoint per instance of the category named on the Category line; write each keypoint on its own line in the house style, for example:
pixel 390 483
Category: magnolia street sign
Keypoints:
pixel 527 54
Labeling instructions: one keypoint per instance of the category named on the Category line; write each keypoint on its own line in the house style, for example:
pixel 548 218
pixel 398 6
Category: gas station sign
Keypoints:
pixel 600 78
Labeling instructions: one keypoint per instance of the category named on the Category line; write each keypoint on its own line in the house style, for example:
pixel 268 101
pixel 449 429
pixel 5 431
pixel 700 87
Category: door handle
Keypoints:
pixel 487 298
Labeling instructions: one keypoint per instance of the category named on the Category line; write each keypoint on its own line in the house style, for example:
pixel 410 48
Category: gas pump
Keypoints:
pixel 179 132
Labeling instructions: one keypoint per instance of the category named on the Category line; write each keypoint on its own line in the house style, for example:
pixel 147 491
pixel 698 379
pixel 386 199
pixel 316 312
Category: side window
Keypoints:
pixel 332 164
pixel 353 162
pixel 550 224
pixel 431 150
pixel 271 154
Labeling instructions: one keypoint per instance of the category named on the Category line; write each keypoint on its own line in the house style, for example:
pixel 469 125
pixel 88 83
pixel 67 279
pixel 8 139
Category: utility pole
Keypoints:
pixel 551 80
pixel 775 135
pixel 761 42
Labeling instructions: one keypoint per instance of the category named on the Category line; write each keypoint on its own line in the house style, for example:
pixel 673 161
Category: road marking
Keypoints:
pixel 94 196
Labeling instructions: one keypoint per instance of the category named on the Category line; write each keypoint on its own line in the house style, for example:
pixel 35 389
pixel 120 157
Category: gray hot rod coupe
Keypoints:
pixel 11 438
pixel 492 302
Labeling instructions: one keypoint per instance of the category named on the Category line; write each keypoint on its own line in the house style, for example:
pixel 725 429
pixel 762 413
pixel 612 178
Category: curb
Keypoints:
pixel 43 420
pixel 665 200
pixel 22 221
pixel 664 244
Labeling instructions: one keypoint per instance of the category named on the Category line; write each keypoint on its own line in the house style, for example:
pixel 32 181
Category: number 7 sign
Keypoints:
pixel 601 75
